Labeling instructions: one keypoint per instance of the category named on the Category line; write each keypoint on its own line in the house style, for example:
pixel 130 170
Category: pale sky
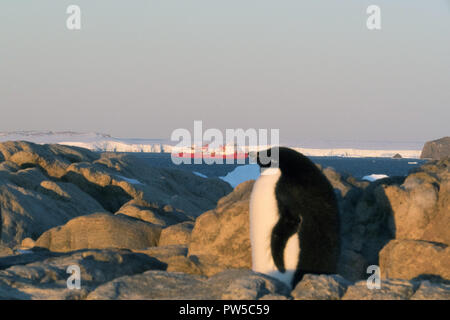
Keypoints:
pixel 309 68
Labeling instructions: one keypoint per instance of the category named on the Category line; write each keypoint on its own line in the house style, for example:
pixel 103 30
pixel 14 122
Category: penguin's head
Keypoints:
pixel 285 159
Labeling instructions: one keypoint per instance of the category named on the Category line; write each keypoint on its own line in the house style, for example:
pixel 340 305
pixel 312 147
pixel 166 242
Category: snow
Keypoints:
pixel 242 174
pixel 199 174
pixel 104 142
pixel 374 177
pixel 129 180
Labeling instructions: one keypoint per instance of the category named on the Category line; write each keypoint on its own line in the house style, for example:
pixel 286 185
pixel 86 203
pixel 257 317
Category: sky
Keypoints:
pixel 311 69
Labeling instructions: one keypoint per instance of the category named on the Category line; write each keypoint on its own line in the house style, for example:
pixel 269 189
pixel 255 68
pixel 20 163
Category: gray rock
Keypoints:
pixel 47 279
pixel 230 284
pixel 390 290
pixel 432 291
pixel 320 287
pixel 31 204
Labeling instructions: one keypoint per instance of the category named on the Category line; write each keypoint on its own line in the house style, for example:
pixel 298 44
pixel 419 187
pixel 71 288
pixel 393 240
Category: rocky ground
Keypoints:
pixel 139 232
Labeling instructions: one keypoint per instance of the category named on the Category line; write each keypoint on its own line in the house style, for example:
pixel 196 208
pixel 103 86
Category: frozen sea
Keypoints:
pixel 357 167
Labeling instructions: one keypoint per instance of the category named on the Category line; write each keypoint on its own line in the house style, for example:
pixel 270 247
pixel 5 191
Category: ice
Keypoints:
pixel 129 180
pixel 199 174
pixel 242 174
pixel 374 177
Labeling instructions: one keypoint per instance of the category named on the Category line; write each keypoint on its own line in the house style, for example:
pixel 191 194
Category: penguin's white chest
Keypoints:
pixel 263 217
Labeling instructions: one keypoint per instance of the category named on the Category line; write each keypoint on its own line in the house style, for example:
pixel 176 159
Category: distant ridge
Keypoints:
pixel 104 142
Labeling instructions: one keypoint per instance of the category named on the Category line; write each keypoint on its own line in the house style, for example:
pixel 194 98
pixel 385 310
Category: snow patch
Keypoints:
pixel 199 174
pixel 374 177
pixel 129 180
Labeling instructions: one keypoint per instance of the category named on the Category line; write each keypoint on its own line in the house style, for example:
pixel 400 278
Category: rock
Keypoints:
pixel 170 189
pixel 22 258
pixel 247 285
pixel 437 149
pixel 176 234
pixel 432 291
pixel 220 238
pixel 184 264
pixel 27 243
pixel 174 256
pixel 163 253
pixel 44 186
pixel 231 284
pixel 47 279
pixel 100 230
pixel 31 204
pixel 115 179
pixel 153 285
pixel 421 208
pixel 53 159
pixel 352 265
pixel 372 223
pixel 274 297
pixel 5 251
pixel 410 259
pixel 397 156
pixel 342 183
pixel 320 287
pixel 153 214
pixel 390 290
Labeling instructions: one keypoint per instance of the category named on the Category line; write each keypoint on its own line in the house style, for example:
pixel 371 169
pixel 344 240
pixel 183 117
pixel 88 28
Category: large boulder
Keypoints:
pixel 100 230
pixel 421 206
pixel 410 259
pixel 437 149
pixel 220 238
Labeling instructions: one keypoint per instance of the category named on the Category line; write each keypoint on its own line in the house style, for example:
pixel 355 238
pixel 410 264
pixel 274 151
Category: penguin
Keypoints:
pixel 294 218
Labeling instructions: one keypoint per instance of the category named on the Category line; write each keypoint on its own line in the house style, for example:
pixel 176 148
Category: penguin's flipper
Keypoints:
pixel 283 230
